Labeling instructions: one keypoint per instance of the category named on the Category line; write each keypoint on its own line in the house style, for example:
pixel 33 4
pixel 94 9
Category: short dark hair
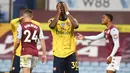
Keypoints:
pixel 109 16
pixel 29 12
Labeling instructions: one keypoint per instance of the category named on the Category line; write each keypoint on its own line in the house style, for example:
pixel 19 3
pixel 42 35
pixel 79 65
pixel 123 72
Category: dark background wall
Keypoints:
pixel 85 17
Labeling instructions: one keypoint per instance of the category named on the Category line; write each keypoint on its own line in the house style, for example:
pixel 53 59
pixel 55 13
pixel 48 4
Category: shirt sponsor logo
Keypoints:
pixel 115 36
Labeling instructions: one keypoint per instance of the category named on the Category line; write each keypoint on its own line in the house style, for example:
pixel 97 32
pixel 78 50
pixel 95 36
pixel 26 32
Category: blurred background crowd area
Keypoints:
pixel 92 54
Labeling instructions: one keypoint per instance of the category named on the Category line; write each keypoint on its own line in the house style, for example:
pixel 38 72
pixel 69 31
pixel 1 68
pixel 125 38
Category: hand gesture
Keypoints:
pixel 58 8
pixel 79 37
pixel 44 58
pixel 65 6
pixel 109 60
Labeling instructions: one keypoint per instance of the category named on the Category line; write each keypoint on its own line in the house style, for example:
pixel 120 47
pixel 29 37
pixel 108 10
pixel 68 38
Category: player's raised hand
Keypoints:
pixel 58 8
pixel 79 36
pixel 65 6
pixel 44 58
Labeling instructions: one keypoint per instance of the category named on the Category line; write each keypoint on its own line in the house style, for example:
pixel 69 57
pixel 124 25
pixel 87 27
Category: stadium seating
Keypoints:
pixel 84 67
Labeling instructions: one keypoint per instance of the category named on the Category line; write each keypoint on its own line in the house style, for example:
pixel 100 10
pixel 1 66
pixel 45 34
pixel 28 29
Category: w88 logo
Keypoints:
pixel 97 3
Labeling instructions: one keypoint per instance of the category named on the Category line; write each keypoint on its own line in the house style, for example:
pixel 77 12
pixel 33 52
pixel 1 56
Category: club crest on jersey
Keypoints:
pixel 63 24
pixel 115 36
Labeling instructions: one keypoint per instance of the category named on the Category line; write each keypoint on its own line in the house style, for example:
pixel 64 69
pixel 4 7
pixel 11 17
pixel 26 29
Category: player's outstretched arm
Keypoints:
pixel 74 22
pixel 96 37
pixel 53 23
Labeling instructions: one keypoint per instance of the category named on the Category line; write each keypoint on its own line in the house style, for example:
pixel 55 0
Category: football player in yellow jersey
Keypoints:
pixel 64 42
pixel 15 68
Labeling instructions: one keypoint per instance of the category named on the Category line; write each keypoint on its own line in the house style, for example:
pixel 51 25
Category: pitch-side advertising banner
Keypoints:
pixel 87 49
pixel 93 5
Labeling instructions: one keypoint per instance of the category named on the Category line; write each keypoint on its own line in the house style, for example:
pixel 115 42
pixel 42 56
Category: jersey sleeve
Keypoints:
pixel 115 37
pixel 50 20
pixel 99 36
pixel 36 22
pixel 41 36
pixel 19 31
pixel 14 21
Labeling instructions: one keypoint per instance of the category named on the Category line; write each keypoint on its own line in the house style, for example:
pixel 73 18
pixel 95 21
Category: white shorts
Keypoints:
pixel 115 64
pixel 28 61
